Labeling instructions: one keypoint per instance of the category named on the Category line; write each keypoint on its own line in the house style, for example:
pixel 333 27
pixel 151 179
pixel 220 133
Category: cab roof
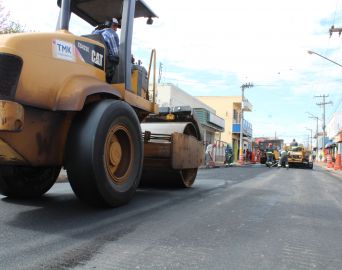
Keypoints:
pixel 96 12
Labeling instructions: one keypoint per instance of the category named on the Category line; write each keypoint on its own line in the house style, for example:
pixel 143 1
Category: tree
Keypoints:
pixel 12 27
pixel 6 25
pixel 3 17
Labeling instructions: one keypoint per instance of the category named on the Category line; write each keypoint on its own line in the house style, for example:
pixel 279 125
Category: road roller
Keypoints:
pixel 58 110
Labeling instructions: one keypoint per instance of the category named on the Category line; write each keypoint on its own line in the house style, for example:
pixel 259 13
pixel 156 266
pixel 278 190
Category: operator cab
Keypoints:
pixel 96 12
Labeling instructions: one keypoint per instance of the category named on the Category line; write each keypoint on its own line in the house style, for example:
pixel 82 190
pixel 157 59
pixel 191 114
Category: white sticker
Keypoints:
pixel 63 50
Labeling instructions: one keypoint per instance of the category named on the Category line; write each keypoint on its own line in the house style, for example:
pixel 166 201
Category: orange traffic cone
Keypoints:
pixel 253 158
pixel 329 161
pixel 338 165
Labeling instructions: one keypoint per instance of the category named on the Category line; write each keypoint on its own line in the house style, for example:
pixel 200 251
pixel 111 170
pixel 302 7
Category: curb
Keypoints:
pixel 337 173
pixel 221 165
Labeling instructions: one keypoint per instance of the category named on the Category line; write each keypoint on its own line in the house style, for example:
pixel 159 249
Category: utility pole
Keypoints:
pixel 315 117
pixel 310 139
pixel 323 103
pixel 246 85
pixel 333 29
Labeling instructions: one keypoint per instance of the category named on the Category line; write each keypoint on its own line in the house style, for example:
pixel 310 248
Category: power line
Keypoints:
pixel 338 105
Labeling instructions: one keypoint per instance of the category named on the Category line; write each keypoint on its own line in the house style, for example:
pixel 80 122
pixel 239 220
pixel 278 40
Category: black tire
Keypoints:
pixel 27 182
pixel 104 153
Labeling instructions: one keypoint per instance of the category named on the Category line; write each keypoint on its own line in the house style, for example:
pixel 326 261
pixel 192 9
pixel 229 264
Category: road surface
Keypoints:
pixel 233 218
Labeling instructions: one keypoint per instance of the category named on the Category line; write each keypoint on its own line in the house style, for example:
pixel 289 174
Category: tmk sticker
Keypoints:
pixel 63 50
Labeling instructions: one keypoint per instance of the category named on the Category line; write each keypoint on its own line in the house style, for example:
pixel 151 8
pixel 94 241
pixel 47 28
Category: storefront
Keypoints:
pixel 338 142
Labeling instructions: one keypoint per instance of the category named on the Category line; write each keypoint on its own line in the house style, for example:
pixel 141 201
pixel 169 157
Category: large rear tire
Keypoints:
pixel 27 182
pixel 104 153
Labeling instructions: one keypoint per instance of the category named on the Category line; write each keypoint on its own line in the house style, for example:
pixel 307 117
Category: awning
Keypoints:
pixel 330 144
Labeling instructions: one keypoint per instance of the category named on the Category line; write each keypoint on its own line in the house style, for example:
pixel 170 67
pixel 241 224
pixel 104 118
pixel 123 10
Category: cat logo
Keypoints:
pixel 97 58
pixel 89 53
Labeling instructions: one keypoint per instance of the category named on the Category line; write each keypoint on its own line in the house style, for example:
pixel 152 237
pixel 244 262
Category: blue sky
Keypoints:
pixel 213 47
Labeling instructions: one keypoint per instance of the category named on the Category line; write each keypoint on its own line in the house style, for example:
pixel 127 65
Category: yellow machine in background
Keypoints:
pixel 276 154
pixel 299 156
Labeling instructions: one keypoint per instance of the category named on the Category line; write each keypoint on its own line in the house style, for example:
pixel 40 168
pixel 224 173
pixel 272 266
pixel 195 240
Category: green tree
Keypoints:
pixel 6 25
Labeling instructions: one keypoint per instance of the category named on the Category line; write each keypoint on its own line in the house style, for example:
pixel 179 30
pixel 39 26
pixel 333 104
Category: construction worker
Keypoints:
pixel 209 154
pixel 108 32
pixel 283 158
pixel 228 153
pixel 269 155
pixel 293 143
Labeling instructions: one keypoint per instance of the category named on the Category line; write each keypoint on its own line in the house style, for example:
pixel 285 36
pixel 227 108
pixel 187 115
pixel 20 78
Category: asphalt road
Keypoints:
pixel 233 218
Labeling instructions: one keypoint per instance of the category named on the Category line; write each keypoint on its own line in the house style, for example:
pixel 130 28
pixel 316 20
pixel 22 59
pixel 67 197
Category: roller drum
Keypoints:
pixel 158 167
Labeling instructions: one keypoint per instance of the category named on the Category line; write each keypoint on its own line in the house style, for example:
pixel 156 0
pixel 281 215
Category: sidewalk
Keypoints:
pixel 323 165
pixel 219 164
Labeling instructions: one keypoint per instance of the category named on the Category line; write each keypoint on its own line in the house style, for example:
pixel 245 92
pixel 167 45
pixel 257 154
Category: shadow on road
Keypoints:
pixel 63 213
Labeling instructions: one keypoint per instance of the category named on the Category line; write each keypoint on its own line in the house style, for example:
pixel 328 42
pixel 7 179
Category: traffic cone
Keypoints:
pixel 329 161
pixel 338 165
pixel 258 157
pixel 241 159
pixel 253 157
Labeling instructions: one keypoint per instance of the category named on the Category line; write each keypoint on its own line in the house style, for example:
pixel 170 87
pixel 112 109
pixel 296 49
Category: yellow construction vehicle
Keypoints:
pixel 57 109
pixel 299 156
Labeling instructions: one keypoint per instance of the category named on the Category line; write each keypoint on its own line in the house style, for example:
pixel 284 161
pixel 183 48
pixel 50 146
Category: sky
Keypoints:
pixel 211 48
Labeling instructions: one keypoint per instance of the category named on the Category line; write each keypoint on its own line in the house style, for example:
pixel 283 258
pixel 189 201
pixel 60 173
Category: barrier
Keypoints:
pixel 257 156
pixel 329 161
pixel 338 165
pixel 241 159
pixel 254 158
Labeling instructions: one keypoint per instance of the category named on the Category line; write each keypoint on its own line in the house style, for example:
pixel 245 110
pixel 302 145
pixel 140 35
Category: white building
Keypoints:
pixel 169 95
pixel 334 125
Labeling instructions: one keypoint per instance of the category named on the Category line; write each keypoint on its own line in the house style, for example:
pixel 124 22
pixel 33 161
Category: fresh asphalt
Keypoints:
pixel 233 218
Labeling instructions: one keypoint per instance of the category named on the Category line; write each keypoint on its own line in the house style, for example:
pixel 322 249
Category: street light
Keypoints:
pixel 246 85
pixel 312 52
pixel 310 138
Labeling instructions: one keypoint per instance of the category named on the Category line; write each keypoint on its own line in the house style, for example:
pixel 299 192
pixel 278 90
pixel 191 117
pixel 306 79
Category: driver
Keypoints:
pixel 112 42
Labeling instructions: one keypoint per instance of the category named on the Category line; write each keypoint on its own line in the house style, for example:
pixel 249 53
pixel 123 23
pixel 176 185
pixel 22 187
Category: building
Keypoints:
pixel 321 143
pixel 334 131
pixel 229 108
pixel 212 125
pixel 334 126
